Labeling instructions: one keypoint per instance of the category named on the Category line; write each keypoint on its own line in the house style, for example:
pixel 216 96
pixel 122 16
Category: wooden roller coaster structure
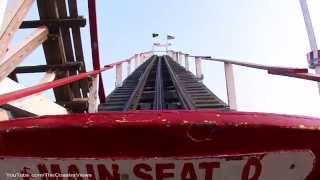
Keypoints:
pixel 159 122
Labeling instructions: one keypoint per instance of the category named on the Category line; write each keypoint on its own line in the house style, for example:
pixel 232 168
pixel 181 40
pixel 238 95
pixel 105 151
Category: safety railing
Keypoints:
pixel 301 73
pixel 93 93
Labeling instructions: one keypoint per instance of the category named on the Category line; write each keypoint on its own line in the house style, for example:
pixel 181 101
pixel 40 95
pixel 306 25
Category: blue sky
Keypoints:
pixel 268 32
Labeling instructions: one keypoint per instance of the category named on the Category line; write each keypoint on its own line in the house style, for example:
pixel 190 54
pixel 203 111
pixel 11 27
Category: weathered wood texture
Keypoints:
pixel 34 104
pixel 16 55
pixel 11 25
pixel 64 46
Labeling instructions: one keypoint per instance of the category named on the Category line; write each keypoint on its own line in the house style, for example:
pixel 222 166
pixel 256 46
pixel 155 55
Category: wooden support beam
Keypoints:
pixel 136 61
pixel 44 68
pixel 13 25
pixel 77 105
pixel 119 75
pixel 13 76
pixel 129 68
pixel 231 88
pixel 16 55
pixel 199 74
pixel 48 77
pixel 93 98
pixel 171 54
pixel 3 6
pixel 180 55
pixel 35 104
pixel 77 43
pixel 186 61
pixel 61 8
pixel 16 112
pixel 55 23
pixel 54 47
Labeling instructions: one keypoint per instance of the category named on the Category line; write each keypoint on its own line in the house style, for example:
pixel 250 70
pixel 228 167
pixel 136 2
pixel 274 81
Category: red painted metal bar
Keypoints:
pixel 5 98
pixel 306 76
pixel 260 66
pixel 301 73
pixel 95 45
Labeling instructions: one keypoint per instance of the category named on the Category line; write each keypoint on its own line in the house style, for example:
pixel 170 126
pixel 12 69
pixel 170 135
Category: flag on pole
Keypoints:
pixel 170 37
pixel 155 35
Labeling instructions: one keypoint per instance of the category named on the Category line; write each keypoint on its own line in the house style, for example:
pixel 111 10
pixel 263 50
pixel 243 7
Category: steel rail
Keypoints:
pixel 158 98
pixel 184 97
pixel 300 73
pixel 12 96
pixel 258 66
pixel 136 94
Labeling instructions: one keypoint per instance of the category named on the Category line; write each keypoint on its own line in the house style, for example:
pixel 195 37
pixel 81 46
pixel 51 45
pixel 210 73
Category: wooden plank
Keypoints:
pixel 199 73
pixel 16 112
pixel 55 23
pixel 15 56
pixel 35 104
pixel 118 75
pixel 93 98
pixel 53 47
pixel 9 11
pixel 3 7
pixel 45 68
pixel 48 77
pixel 67 45
pixel 77 43
pixel 230 84
pixel 13 76
pixel 13 25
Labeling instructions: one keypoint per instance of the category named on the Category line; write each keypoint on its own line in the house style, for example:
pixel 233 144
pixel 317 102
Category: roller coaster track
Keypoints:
pixel 161 83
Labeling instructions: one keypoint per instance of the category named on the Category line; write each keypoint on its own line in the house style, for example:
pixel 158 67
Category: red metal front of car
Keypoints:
pixel 162 145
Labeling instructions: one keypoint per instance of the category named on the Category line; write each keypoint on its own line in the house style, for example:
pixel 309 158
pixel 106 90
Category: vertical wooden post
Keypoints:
pixel 199 74
pixel 93 98
pixel 231 90
pixel 186 61
pixel 171 54
pixel 140 59
pixel 136 61
pixel 174 56
pixel 119 75
pixel 180 54
pixel 177 57
pixel 129 67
